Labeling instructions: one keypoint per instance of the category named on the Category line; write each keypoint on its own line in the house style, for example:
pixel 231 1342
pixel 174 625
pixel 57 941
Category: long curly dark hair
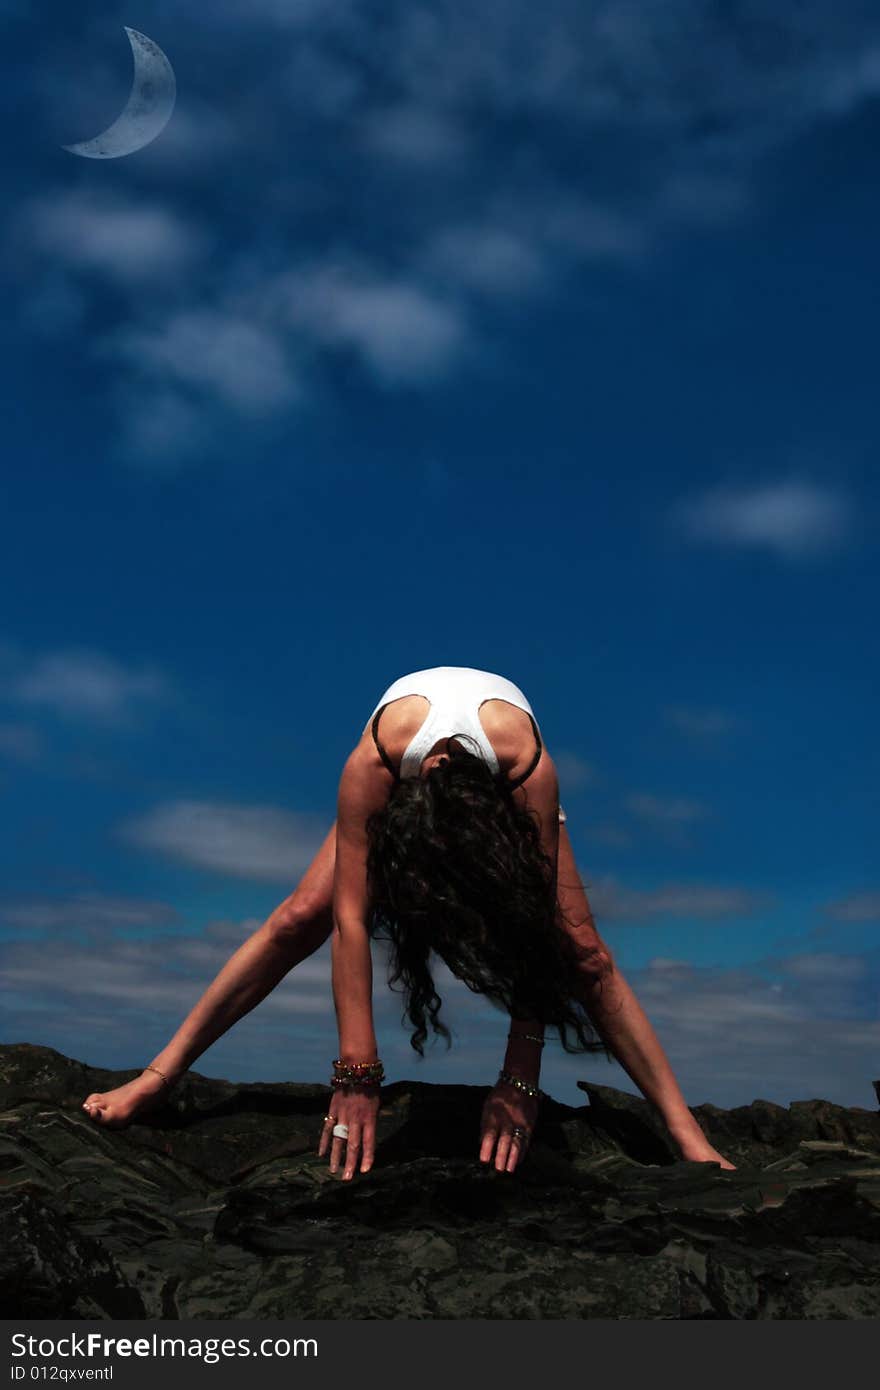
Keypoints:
pixel 456 867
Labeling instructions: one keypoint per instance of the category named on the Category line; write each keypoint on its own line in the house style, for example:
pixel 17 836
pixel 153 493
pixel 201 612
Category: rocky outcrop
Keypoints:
pixel 219 1208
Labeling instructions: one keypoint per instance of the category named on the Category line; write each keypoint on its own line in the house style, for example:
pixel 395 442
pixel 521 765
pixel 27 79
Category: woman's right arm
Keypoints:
pixel 363 788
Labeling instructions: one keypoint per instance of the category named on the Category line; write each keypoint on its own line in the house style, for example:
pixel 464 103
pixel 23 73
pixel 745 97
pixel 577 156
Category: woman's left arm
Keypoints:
pixel 511 1110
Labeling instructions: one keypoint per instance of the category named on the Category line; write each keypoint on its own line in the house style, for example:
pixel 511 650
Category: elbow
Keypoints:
pixel 595 965
pixel 348 927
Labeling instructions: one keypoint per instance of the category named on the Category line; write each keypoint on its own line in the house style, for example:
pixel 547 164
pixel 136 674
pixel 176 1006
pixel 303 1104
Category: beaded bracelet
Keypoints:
pixel 529 1037
pixel 357 1073
pixel 517 1082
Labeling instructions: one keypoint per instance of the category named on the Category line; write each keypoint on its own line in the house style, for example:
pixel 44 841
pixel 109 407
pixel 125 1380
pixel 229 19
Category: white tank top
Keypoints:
pixel 455 693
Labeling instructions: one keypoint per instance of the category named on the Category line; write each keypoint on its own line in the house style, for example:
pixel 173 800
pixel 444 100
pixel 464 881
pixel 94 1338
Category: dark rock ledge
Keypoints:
pixel 219 1208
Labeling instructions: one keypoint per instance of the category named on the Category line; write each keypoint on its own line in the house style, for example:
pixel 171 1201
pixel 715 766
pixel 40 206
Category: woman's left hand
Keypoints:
pixel 506 1126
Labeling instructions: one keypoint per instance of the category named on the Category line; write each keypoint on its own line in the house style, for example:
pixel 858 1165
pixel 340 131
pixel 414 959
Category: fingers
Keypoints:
pixel 324 1140
pixel 336 1153
pixel 353 1148
pixel 502 1151
pixel 487 1147
pixel 361 1142
pixel 356 1119
pixel 507 1145
pixel 518 1145
pixel 369 1151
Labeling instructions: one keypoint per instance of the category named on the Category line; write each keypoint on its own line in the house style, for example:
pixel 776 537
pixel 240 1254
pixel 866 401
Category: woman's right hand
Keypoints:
pixel 357 1107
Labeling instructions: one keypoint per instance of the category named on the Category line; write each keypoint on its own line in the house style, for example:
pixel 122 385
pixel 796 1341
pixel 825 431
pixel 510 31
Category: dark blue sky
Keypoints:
pixel 544 344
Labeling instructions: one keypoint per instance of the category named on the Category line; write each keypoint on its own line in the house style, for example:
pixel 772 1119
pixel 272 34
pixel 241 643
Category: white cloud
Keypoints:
pixel 824 966
pixel 86 912
pixel 250 351
pixel 589 229
pixel 733 80
pixel 413 134
pixel 733 1035
pixel 78 682
pixel 702 196
pixel 853 81
pixel 159 425
pixel 287 14
pixel 665 811
pixel 614 902
pixel 130 995
pixel 459 151
pixel 858 907
pixel 400 332
pixel 699 1001
pixel 200 136
pixel 493 259
pixel 790 519
pixel 242 362
pixel 259 842
pixel 574 771
pixel 771 1030
pixel 701 724
pixel 610 834
pixel 160 975
pixel 131 242
pixel 530 235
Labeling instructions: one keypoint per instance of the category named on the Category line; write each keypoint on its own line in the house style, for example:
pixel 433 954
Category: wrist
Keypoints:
pixel 523 1058
pixel 357 1045
pixel 530 1071
pixel 365 1074
pixel 520 1084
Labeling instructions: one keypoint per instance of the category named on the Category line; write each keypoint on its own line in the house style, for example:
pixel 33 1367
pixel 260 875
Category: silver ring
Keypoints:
pixel 340 1131
pixel 519 1133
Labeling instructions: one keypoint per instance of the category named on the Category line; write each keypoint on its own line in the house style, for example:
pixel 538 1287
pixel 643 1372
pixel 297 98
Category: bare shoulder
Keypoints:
pixel 504 721
pixel 540 793
pixel 509 730
pixel 400 719
pixel 364 784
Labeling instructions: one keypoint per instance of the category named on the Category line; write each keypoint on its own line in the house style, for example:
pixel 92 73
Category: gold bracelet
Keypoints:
pixel 529 1037
pixel 159 1073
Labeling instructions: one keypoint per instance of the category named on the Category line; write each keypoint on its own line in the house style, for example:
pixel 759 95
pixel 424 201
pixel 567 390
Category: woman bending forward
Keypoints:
pixel 449 839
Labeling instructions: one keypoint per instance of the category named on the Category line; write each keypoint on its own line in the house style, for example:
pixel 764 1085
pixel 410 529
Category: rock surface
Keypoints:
pixel 219 1208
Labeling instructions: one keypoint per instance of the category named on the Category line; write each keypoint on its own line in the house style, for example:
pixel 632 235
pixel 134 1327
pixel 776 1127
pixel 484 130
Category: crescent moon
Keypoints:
pixel 148 109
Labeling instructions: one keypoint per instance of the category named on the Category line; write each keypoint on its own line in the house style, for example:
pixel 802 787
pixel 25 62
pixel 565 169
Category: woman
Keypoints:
pixel 449 839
